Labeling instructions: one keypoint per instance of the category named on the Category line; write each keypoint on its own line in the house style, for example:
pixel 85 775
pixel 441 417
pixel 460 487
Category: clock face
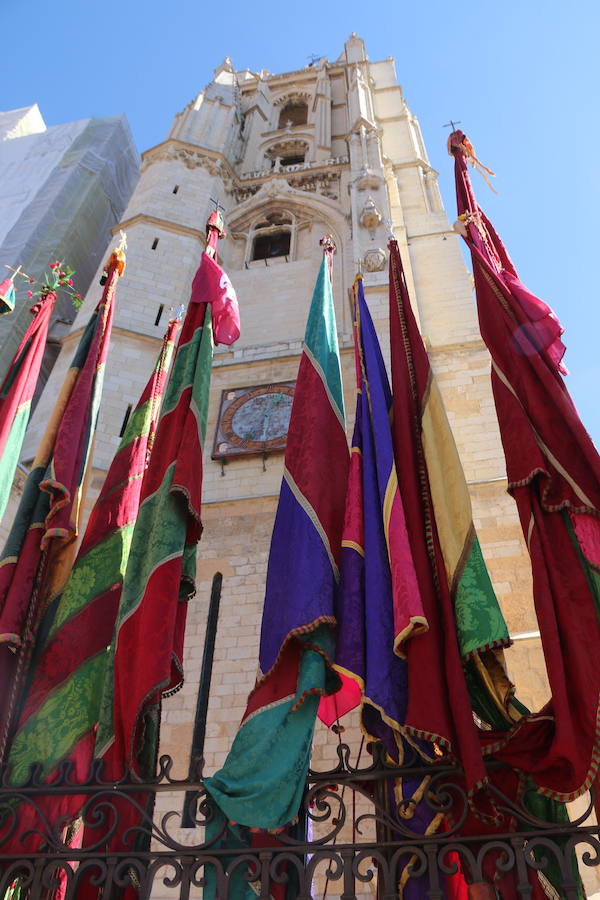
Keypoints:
pixel 263 418
pixel 253 420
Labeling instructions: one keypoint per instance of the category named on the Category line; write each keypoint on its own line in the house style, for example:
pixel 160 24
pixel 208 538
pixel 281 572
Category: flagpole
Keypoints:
pixel 24 652
pixel 199 734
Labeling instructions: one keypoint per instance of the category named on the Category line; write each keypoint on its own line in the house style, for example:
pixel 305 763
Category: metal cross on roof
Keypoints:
pixel 452 124
pixel 217 204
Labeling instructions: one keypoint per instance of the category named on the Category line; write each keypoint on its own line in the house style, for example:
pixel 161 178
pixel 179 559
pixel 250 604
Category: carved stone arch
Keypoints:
pixel 280 147
pixel 290 96
pixel 277 194
pixel 292 109
pixel 303 138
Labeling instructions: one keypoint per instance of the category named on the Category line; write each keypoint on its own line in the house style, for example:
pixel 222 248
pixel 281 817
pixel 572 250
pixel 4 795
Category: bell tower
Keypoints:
pixel 328 148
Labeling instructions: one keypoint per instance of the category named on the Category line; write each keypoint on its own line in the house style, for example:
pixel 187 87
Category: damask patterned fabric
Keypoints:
pixel 61 707
pixel 147 649
pixel 261 783
pixel 464 618
pixel 17 391
pixel 41 544
pixel 379 611
pixel 553 472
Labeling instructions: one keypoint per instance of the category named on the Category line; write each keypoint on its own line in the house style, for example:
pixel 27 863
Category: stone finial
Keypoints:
pixel 226 66
pixel 225 73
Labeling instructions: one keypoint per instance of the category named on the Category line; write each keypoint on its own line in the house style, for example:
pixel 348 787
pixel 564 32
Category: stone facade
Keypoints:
pixel 363 169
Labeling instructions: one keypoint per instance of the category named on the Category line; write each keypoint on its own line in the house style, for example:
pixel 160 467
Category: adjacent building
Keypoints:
pixel 62 188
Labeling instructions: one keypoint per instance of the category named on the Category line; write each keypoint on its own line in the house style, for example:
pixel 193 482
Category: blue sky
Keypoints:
pixel 521 76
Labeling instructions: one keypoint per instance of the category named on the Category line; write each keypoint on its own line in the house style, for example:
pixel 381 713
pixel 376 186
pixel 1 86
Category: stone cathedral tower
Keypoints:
pixel 331 147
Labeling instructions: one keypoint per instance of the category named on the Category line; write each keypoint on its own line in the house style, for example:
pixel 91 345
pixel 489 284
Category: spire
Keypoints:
pixel 354 49
pixel 224 73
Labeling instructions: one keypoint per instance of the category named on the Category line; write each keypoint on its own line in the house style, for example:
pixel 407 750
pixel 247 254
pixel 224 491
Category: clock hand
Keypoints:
pixel 264 427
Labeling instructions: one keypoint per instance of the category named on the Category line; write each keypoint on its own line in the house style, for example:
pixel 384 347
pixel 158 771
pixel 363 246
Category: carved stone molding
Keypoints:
pixel 291 97
pixel 368 180
pixel 301 167
pixel 191 158
pixel 325 183
pixel 241 193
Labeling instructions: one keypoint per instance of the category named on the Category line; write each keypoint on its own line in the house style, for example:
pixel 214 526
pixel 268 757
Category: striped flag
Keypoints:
pixel 262 780
pixel 40 548
pixel 17 391
pixel 379 612
pixel 147 648
pixel 466 626
pixel 61 706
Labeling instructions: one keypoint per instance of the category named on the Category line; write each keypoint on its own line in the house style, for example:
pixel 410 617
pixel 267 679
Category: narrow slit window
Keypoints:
pixel 155 243
pixel 176 188
pixel 159 314
pixel 125 420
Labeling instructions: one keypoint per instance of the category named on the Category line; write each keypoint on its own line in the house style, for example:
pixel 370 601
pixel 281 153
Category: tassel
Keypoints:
pixel 467 149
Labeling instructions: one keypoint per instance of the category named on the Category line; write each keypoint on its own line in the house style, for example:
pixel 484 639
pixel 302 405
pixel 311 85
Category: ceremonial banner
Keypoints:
pixel 466 626
pixel 379 611
pixel 61 706
pixel 7 295
pixel 263 778
pixel 379 607
pixel 160 573
pixel 553 474
pixel 17 391
pixel 40 547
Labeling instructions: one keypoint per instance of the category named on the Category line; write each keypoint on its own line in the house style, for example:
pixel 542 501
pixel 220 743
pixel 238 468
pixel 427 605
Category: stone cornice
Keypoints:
pixel 410 163
pixel 226 356
pixel 308 73
pixel 192 156
pixel 165 224
pixel 308 167
pixel 240 186
pixel 129 333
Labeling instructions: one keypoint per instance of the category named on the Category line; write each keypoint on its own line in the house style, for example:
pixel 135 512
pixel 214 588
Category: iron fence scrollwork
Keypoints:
pixel 355 838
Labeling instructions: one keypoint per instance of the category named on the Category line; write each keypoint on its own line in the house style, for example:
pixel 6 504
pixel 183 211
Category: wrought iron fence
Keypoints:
pixel 353 838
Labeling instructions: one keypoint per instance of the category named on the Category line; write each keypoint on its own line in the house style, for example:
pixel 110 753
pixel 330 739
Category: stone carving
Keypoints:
pixel 368 180
pixel 370 216
pixel 192 159
pixel 325 183
pixel 243 193
pixel 292 97
pixel 264 173
pixel 375 260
